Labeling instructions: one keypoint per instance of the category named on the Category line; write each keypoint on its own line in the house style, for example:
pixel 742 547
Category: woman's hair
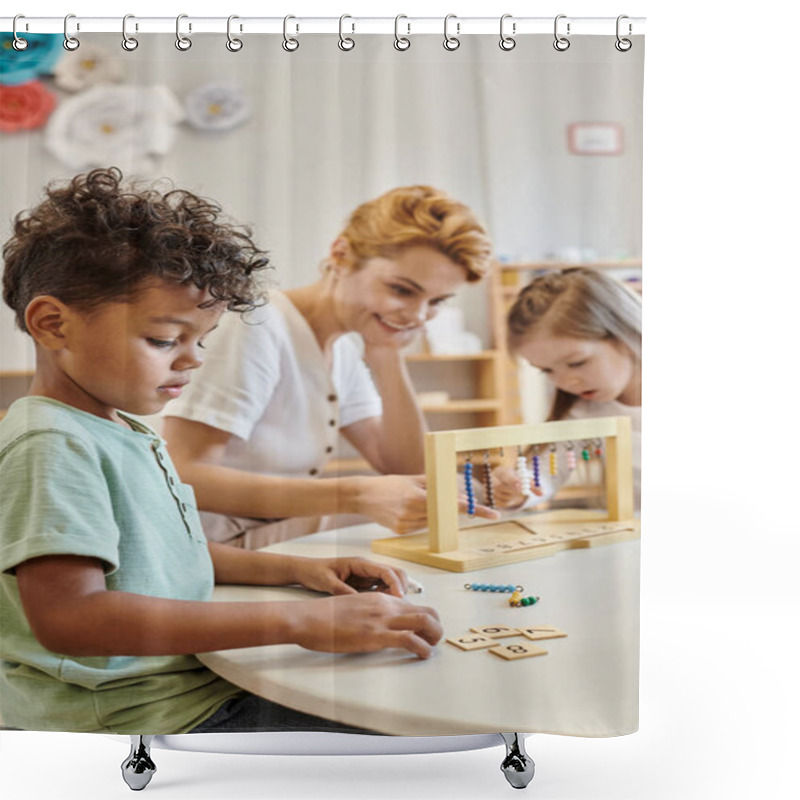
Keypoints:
pixel 419 215
pixel 92 241
pixel 577 303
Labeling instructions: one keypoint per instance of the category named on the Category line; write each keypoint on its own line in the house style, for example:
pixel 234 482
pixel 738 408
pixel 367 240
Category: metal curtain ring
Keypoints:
pixel 233 44
pixel 561 43
pixel 451 42
pixel 507 42
pixel 346 42
pixel 289 44
pixel 182 42
pixel 623 45
pixel 401 42
pixel 70 42
pixel 129 43
pixel 19 43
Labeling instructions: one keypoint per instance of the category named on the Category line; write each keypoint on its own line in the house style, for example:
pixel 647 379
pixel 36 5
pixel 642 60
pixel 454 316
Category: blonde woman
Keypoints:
pixel 262 417
pixel 583 330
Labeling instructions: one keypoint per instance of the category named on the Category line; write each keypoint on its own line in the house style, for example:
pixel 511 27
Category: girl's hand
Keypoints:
pixel 350 576
pixel 507 488
pixel 363 623
pixel 400 502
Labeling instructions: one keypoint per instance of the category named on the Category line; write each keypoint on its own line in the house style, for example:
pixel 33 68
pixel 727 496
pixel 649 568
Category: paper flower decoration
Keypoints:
pixel 38 58
pixel 217 107
pixel 121 125
pixel 24 107
pixel 86 67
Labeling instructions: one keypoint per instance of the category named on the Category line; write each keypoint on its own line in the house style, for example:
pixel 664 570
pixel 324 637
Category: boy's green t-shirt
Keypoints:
pixel 73 483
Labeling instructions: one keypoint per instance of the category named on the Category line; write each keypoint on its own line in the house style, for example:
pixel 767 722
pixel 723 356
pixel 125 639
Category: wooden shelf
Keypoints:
pixel 483 355
pixel 464 406
pixel 622 263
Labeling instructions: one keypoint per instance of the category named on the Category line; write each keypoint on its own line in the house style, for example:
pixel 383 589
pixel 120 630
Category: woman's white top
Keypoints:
pixel 265 380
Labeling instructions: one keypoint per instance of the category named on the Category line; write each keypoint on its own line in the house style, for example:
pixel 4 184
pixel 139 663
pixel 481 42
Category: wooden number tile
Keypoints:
pixel 520 650
pixel 472 641
pixel 535 632
pixel 496 631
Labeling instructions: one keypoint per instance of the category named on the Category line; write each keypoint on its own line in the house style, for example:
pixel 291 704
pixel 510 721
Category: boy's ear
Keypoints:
pixel 45 319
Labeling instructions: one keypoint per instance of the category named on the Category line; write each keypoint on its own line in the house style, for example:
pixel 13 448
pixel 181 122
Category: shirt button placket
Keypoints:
pixel 171 485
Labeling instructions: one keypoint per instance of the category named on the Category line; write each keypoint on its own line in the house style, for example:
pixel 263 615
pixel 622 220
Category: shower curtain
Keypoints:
pixel 540 138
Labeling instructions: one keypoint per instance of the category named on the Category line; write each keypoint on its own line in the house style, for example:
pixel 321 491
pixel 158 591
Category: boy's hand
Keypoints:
pixel 350 576
pixel 364 623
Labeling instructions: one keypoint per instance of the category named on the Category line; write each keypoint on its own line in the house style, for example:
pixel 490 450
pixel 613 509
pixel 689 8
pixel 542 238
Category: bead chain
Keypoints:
pixel 487 476
pixel 469 487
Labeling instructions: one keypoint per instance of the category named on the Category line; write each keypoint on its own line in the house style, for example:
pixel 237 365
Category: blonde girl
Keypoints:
pixel 583 330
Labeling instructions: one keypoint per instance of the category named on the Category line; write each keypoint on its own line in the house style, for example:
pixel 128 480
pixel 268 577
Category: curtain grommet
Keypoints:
pixel 451 43
pixel 182 43
pixel 623 44
pixel 289 43
pixel 561 43
pixel 129 43
pixel 346 43
pixel 19 44
pixel 233 44
pixel 401 43
pixel 507 42
pixel 70 43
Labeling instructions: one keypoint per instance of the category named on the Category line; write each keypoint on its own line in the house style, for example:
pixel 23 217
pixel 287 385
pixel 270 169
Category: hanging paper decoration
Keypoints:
pixel 88 66
pixel 217 106
pixel 122 125
pixel 38 58
pixel 25 107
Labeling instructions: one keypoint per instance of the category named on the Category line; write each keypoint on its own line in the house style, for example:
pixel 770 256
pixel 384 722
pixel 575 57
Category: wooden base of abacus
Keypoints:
pixel 449 546
pixel 482 546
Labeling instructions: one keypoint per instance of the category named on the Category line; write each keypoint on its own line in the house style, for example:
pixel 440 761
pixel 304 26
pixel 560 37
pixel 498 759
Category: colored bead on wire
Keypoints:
pixel 571 458
pixel 553 460
pixel 487 479
pixel 585 452
pixel 516 600
pixel 523 473
pixel 469 487
pixel 537 478
pixel 492 587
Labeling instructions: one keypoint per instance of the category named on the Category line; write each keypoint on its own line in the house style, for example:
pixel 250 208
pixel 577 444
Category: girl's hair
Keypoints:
pixel 577 303
pixel 419 215
pixel 92 241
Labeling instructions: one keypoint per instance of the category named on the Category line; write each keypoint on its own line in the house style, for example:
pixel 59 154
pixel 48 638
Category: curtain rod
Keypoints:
pixel 348 24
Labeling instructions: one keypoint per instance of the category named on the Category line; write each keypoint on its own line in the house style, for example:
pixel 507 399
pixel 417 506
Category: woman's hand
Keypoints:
pixel 350 576
pixel 400 502
pixel 363 623
pixel 507 488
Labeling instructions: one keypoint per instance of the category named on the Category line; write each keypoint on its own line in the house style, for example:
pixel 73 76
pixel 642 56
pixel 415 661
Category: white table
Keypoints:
pixel 587 685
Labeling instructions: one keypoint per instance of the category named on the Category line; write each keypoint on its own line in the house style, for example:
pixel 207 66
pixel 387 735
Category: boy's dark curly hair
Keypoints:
pixel 94 241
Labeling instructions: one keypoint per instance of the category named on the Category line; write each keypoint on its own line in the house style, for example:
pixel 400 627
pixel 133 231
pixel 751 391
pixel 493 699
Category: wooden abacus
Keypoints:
pixel 530 534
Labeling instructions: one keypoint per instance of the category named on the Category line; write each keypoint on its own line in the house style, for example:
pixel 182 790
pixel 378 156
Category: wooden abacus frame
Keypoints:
pixel 439 547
